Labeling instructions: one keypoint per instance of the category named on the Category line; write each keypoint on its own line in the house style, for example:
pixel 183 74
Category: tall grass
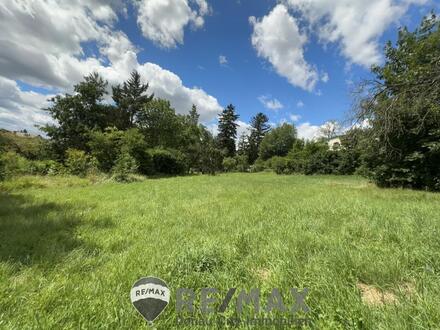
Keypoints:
pixel 69 253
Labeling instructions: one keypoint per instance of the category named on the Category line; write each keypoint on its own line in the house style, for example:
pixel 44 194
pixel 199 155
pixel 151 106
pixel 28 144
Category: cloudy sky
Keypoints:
pixel 295 60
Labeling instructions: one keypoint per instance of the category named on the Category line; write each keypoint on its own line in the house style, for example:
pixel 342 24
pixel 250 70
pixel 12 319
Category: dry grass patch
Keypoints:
pixel 263 274
pixel 373 296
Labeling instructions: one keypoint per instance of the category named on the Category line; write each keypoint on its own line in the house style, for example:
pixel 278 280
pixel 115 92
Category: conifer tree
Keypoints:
pixel 227 128
pixel 131 97
pixel 260 127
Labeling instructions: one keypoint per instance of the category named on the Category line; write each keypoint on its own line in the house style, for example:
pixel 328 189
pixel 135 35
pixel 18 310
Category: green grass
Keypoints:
pixel 70 249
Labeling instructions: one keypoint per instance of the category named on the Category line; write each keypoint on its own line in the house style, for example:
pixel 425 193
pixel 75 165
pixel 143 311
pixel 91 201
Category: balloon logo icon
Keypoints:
pixel 150 295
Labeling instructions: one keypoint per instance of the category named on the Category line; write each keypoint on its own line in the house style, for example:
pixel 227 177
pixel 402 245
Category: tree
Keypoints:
pixel 192 133
pixel 193 117
pixel 227 128
pixel 403 109
pixel 259 128
pixel 210 157
pixel 131 97
pixel 278 141
pixel 76 115
pixel 243 145
pixel 160 125
pixel 330 129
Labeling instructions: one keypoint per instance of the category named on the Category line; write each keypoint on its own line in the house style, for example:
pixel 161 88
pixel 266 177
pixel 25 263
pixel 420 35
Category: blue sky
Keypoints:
pixel 294 60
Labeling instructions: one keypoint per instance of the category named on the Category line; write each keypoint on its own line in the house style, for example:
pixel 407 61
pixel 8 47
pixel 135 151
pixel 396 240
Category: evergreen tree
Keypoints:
pixel 243 145
pixel 260 127
pixel 131 97
pixel 227 127
pixel 193 116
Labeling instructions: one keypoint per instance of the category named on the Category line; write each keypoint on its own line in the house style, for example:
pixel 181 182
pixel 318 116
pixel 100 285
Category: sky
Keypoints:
pixel 297 61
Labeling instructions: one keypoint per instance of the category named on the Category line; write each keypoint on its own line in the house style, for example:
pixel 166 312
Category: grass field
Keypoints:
pixel 70 250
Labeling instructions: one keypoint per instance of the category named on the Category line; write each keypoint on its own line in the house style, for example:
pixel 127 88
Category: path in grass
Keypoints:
pixel 369 257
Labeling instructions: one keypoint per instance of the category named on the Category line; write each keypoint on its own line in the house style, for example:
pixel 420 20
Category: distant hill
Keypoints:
pixel 23 143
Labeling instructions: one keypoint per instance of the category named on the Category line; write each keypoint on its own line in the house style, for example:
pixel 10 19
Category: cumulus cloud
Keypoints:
pixel 312 132
pixel 44 44
pixel 355 24
pixel 277 38
pixel 222 60
pixel 300 104
pixel 308 131
pixel 269 103
pixel 164 21
pixel 243 129
pixel 21 110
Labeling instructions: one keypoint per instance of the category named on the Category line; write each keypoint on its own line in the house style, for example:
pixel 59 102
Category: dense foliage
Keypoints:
pixel 402 108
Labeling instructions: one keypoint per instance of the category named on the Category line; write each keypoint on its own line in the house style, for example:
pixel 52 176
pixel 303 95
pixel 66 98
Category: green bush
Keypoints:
pixel 79 163
pixel 242 164
pixel 45 167
pixel 229 164
pixel 279 165
pixel 12 164
pixel 107 146
pixel 167 161
pixel 258 166
pixel 2 169
pixel 124 167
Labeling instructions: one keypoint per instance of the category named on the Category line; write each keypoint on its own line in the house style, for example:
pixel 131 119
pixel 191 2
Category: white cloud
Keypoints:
pixel 308 132
pixel 222 60
pixel 300 104
pixel 242 129
pixel 312 132
pixel 355 24
pixel 277 38
pixel 21 110
pixel 42 45
pixel 324 77
pixel 294 117
pixel 164 21
pixel 269 103
pixel 168 85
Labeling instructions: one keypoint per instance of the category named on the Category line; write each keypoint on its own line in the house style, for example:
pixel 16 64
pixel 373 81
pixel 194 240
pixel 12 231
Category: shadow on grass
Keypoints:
pixel 39 233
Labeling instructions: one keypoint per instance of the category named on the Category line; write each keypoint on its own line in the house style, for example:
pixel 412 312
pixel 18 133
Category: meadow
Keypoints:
pixel 70 249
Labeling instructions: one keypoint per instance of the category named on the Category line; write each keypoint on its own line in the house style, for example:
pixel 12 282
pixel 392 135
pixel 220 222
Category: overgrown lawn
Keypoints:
pixel 70 250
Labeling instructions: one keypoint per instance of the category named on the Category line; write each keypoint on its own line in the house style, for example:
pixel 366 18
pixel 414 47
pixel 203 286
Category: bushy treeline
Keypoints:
pixel 398 144
pixel 136 133
pixel 283 152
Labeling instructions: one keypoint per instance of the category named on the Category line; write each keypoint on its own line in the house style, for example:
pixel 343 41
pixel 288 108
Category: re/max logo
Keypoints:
pixel 185 299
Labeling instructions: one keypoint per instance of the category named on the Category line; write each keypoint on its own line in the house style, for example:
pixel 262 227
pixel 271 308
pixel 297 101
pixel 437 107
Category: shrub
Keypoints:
pixel 279 165
pixel 125 166
pixel 167 161
pixel 229 164
pixel 242 164
pixel 258 166
pixel 12 164
pixel 105 147
pixel 78 162
pixel 45 167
